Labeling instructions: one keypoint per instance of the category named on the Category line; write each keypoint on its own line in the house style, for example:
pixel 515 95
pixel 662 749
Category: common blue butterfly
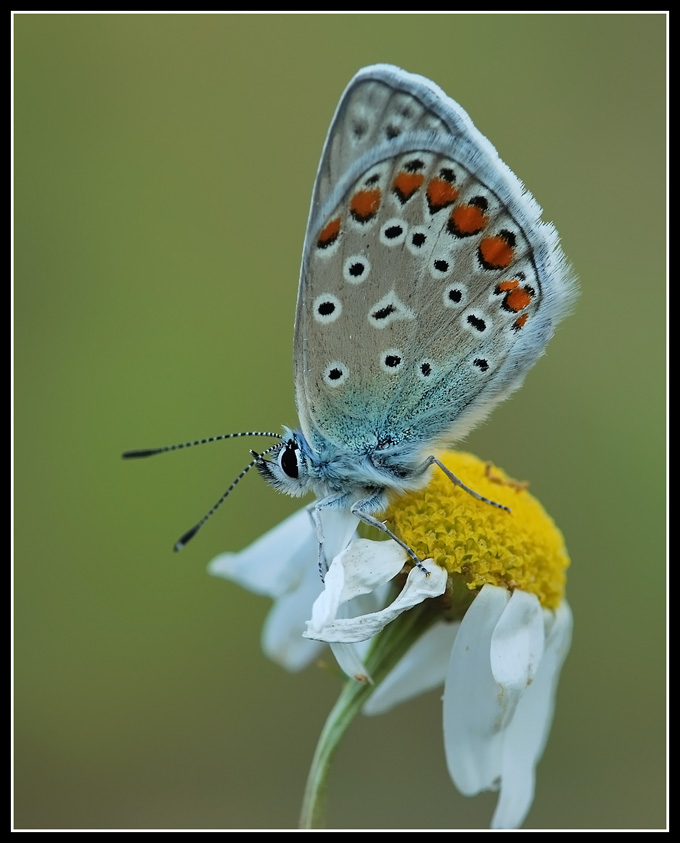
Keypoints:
pixel 429 287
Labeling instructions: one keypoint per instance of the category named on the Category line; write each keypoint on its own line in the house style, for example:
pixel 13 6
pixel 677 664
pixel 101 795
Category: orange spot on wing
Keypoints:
pixel 521 321
pixel 440 193
pixel 518 299
pixel 496 252
pixel 365 204
pixel 467 219
pixel 504 286
pixel 406 184
pixel 329 234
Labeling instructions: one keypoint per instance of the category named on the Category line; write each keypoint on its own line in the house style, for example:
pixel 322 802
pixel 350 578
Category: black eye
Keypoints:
pixel 289 461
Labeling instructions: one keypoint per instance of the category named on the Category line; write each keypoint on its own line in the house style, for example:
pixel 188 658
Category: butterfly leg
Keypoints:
pixel 432 460
pixel 375 503
pixel 339 501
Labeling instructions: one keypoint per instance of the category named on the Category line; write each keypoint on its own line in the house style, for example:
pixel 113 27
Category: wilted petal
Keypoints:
pixel 363 567
pixel 360 569
pixel 351 657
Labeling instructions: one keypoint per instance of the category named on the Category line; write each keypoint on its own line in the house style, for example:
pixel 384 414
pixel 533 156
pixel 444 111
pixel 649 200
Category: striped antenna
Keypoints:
pixel 150 452
pixel 179 544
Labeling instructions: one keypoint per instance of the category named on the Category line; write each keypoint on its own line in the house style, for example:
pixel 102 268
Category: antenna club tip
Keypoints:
pixel 179 544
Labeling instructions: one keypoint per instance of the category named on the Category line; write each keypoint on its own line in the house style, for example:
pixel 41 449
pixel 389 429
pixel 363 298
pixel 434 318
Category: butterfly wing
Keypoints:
pixel 429 285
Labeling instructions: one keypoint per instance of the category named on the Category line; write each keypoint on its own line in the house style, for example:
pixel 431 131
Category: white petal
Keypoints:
pixel 528 732
pixel 356 578
pixel 327 604
pixel 472 710
pixel 517 648
pixel 358 570
pixel 348 657
pixel 368 565
pixel 274 563
pixel 421 669
pixel 338 527
pixel 283 564
pixel 282 637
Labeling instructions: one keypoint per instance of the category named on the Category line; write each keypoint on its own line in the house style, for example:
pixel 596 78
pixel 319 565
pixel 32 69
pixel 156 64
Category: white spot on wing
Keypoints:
pixel 441 266
pixel 417 239
pixel 389 309
pixel 476 321
pixel 425 369
pixel 356 269
pixel 326 308
pixel 391 360
pixel 335 374
pixel 393 232
pixel 455 295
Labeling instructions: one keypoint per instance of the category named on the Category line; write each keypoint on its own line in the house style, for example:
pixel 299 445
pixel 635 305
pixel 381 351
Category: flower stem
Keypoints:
pixel 387 649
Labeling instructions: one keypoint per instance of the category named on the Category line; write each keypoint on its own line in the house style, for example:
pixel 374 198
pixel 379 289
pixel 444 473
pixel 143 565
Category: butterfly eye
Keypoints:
pixel 288 460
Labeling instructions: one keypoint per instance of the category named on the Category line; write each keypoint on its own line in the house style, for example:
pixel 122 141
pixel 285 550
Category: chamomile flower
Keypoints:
pixel 489 623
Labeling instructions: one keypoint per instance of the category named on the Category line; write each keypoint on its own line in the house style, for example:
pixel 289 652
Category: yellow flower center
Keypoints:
pixel 478 543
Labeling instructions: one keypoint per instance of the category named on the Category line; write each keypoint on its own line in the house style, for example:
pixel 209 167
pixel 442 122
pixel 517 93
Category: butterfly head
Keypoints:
pixel 289 469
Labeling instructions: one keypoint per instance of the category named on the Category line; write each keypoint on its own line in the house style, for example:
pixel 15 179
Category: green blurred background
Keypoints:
pixel 163 173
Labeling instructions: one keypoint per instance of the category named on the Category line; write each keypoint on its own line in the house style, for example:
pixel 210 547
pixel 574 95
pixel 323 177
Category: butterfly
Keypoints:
pixel 429 287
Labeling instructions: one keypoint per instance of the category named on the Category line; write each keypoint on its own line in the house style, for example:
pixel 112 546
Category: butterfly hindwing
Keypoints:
pixel 423 299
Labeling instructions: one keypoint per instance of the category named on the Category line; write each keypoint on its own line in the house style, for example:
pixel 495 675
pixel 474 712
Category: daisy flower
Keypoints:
pixel 487 620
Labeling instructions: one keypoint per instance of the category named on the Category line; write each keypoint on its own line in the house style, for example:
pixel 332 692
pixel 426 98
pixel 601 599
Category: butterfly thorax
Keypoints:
pixel 329 469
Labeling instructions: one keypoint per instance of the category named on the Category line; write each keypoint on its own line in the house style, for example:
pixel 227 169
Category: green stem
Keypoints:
pixel 387 649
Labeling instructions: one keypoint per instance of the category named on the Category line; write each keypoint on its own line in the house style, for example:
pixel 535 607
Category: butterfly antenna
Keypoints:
pixel 150 452
pixel 179 544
